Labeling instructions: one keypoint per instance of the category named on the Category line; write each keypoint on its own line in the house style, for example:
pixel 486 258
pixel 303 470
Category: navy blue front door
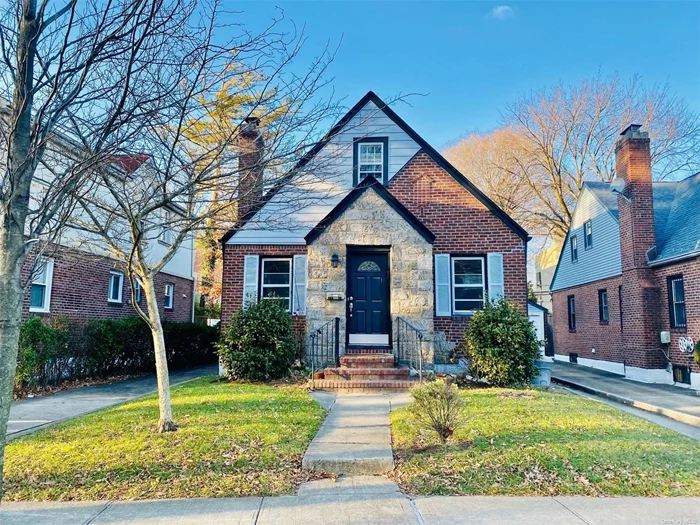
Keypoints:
pixel 368 298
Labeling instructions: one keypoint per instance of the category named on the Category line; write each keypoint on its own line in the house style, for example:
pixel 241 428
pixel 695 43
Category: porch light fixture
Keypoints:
pixel 335 260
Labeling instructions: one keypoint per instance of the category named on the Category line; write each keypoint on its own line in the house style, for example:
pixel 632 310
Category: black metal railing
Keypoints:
pixel 409 347
pixel 323 349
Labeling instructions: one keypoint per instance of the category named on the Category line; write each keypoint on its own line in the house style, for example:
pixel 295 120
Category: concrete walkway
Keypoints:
pixel 671 401
pixel 32 414
pixel 355 438
pixel 360 501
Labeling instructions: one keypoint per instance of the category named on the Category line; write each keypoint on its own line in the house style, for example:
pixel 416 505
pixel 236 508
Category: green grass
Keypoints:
pixel 552 443
pixel 235 440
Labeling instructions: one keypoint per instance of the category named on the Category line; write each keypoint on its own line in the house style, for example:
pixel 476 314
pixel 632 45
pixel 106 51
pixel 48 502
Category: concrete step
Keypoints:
pixel 367 361
pixel 365 374
pixel 344 386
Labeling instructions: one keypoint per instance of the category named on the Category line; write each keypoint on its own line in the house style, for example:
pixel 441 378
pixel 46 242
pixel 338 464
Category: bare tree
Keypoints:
pixel 88 85
pixel 566 135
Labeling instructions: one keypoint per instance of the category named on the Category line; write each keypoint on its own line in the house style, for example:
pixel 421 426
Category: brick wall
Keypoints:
pixel 80 285
pixel 461 224
pixel 690 270
pixel 605 338
pixel 232 278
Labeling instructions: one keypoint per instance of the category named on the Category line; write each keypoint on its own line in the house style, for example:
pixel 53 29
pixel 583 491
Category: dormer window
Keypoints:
pixel 370 158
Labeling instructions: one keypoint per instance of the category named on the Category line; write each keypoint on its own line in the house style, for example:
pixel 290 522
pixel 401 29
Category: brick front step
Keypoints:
pixel 367 361
pixel 356 387
pixel 363 374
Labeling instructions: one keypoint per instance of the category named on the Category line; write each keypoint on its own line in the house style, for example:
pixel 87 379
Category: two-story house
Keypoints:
pixel 402 242
pixel 626 292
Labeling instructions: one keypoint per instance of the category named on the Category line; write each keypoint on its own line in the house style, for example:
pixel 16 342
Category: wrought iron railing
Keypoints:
pixel 323 349
pixel 409 347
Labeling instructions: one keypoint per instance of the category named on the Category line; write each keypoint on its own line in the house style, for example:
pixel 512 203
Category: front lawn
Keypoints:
pixel 235 440
pixel 528 442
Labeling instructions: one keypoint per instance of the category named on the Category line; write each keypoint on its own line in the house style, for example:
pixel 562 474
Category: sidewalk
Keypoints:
pixel 360 501
pixel 30 415
pixel 671 401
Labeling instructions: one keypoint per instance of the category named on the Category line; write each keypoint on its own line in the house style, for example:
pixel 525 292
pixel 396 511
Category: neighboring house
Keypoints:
pixel 406 238
pixel 627 287
pixel 80 285
pixel 545 265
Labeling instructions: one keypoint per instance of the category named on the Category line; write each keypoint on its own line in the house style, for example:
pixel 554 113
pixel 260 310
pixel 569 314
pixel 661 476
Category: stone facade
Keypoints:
pixel 370 221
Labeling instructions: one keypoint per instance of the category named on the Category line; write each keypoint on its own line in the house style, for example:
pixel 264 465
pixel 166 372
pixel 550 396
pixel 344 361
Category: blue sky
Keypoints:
pixel 470 59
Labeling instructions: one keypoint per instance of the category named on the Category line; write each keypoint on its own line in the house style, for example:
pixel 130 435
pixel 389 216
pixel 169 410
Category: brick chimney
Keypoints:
pixel 641 297
pixel 250 167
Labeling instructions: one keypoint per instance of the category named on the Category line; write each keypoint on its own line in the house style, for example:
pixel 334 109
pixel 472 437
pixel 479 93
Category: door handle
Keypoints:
pixel 350 305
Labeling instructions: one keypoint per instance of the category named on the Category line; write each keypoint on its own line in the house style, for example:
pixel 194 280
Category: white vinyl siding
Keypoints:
pixel 277 224
pixel 468 284
pixel 250 279
pixel 299 291
pixel 116 282
pixel 495 273
pixel 40 294
pixel 443 294
pixel 602 260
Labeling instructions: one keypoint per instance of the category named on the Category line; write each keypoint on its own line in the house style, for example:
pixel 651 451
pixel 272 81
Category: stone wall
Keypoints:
pixel 370 221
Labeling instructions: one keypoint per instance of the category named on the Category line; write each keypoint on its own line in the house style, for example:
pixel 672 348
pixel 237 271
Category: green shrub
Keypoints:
pixel 438 406
pixel 190 344
pixel 502 345
pixel 258 344
pixel 121 346
pixel 43 353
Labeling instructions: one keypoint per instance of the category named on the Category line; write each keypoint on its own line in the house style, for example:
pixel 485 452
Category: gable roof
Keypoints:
pixel 432 153
pixel 676 219
pixel 355 193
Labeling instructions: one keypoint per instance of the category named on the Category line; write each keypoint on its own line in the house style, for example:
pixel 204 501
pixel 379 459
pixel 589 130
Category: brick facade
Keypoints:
pixel 462 225
pixel 232 275
pixel 80 285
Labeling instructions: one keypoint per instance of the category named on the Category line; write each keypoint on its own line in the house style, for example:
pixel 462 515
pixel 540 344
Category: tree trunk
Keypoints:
pixel 11 294
pixel 165 423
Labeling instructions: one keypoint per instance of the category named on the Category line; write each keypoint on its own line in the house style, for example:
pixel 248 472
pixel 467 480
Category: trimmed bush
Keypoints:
pixel 438 406
pixel 258 344
pixel 502 345
pixel 44 354
pixel 49 355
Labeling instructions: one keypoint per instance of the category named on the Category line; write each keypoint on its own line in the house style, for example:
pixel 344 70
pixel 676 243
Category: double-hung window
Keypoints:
pixel 603 308
pixel 137 291
pixel 588 235
pixel 571 303
pixel 169 296
pixel 116 281
pixel 276 281
pixel 468 284
pixel 40 294
pixel 574 249
pixel 370 159
pixel 676 301
pixel 165 228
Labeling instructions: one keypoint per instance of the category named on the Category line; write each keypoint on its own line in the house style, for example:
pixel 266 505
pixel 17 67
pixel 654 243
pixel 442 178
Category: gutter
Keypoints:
pixel 675 258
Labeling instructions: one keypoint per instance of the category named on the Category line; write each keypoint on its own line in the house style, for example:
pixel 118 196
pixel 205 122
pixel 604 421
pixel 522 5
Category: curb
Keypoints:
pixel 667 412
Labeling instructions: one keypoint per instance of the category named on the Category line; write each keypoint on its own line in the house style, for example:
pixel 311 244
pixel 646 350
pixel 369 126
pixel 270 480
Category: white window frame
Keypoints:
pixel 483 287
pixel 360 178
pixel 262 287
pixel 587 236
pixel 165 228
pixel 115 273
pixel 47 284
pixel 168 305
pixel 137 291
pixel 574 248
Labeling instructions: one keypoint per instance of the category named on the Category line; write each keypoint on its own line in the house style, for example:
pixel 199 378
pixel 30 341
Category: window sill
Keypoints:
pixel 604 323
pixel 463 314
pixel 679 329
pixel 572 331
pixel 39 311
pixel 110 301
